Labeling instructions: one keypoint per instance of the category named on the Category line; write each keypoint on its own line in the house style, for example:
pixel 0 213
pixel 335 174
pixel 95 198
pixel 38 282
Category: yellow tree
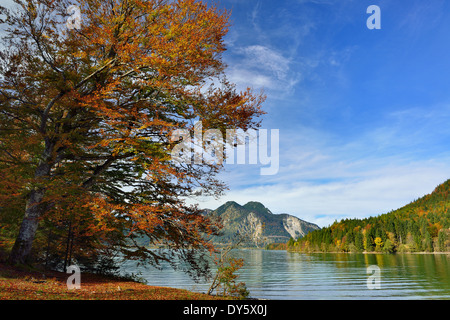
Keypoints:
pixel 378 243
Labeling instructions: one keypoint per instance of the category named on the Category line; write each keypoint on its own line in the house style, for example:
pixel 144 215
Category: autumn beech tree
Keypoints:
pixel 87 116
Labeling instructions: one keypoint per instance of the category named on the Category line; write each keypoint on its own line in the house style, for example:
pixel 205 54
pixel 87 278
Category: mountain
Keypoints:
pixel 421 226
pixel 262 226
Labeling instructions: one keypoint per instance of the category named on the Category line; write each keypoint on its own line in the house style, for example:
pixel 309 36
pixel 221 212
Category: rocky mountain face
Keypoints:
pixel 259 223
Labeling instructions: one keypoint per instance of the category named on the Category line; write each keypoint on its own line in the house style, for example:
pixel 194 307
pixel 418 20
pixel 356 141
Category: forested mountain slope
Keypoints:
pixel 422 225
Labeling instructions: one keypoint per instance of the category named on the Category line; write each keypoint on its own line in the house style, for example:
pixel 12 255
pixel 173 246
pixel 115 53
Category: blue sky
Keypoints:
pixel 363 114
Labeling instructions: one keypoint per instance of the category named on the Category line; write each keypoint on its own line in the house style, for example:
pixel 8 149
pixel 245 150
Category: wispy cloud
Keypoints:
pixel 421 16
pixel 259 66
pixel 269 60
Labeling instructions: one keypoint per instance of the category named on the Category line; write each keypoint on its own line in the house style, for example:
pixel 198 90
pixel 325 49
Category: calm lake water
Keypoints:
pixel 281 275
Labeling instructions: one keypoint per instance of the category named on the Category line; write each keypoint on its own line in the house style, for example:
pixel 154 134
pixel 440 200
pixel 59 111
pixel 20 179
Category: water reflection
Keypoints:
pixel 293 276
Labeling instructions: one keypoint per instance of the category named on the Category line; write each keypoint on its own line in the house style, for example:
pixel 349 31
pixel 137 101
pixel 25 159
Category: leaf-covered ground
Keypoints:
pixel 18 284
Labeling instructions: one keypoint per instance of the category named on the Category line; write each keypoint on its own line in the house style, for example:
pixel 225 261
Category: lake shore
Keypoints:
pixel 23 284
pixel 369 252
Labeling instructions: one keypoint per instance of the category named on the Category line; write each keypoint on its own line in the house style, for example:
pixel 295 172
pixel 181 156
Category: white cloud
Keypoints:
pixel 263 58
pixel 247 78
pixel 368 194
pixel 320 181
pixel 261 67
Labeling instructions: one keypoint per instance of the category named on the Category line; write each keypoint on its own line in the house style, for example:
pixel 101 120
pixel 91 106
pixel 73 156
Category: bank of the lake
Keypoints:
pixel 28 284
pixel 367 252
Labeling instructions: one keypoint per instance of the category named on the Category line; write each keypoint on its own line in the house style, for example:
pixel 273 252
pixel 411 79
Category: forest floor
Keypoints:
pixel 33 284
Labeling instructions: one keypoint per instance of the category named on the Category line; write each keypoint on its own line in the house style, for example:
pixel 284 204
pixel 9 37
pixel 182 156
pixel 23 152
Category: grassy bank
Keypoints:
pixel 25 284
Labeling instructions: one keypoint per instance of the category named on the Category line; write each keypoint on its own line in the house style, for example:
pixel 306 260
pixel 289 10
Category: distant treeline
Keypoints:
pixel 421 226
pixel 276 246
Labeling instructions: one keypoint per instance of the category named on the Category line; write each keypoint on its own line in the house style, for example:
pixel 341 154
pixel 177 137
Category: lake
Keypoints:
pixel 281 275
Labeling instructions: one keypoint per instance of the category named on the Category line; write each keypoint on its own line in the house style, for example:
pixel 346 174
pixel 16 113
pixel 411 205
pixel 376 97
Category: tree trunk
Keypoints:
pixel 68 248
pixel 47 253
pixel 27 232
pixel 33 210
